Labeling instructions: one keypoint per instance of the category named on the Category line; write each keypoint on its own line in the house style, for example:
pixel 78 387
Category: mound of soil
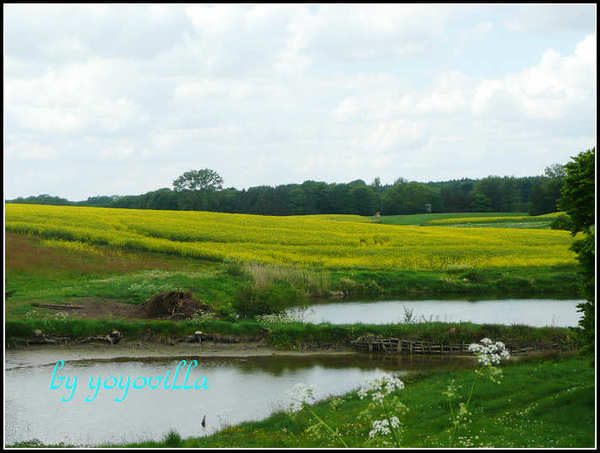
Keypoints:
pixel 174 305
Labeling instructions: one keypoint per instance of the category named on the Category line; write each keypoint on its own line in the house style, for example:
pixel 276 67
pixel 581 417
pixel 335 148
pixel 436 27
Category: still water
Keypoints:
pixel 239 389
pixel 532 312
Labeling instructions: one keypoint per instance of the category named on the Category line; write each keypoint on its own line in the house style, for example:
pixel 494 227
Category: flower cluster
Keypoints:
pixel 382 427
pixel 300 394
pixel 204 315
pixel 488 352
pixel 275 318
pixel 380 387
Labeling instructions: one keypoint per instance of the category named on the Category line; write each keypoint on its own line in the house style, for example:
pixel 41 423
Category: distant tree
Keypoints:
pixel 162 199
pixel 491 188
pixel 195 180
pixel 510 194
pixel 456 196
pixel 408 198
pixel 578 200
pixel 297 200
pixel 544 195
pixel 42 199
pixel 315 197
pixel 376 184
pixel 480 202
pixel 100 200
pixel 357 182
pixel 364 200
pixel 546 191
pixel 556 171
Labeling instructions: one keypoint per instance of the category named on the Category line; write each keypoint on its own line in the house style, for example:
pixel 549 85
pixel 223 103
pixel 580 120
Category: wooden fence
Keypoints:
pixel 396 345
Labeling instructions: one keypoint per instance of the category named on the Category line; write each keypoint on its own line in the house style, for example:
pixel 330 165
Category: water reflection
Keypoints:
pixel 532 312
pixel 240 389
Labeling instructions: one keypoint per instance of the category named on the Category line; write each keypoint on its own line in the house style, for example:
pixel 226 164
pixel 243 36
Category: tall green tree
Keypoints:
pixel 205 179
pixel 578 200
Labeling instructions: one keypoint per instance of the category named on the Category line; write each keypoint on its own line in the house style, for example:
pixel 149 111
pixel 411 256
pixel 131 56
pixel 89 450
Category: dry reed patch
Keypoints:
pixel 264 275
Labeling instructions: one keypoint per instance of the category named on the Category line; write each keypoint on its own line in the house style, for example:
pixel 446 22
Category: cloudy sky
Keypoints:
pixel 121 99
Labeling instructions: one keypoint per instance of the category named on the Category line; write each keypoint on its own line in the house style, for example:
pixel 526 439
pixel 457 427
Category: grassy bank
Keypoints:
pixel 288 335
pixel 37 272
pixel 543 403
pixel 420 219
pixel 40 272
pixel 542 281
pixel 539 222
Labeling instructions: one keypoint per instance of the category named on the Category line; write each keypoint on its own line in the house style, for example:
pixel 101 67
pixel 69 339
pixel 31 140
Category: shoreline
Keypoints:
pixel 46 355
pixel 39 355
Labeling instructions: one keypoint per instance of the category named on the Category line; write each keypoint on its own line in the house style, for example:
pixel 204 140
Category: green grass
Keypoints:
pixel 537 222
pixel 541 403
pixel 293 335
pixel 555 281
pixel 36 273
pixel 538 225
pixel 419 219
pixel 218 288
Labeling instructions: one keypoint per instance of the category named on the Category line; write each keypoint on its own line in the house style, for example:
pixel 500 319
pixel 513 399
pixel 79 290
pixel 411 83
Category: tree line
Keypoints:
pixel 201 190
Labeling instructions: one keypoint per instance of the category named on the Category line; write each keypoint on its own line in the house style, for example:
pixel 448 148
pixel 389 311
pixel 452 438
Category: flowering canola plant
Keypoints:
pixel 311 241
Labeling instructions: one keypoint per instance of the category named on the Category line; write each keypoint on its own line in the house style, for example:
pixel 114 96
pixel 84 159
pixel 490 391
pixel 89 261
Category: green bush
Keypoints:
pixel 563 222
pixel 235 269
pixel 473 276
pixel 226 312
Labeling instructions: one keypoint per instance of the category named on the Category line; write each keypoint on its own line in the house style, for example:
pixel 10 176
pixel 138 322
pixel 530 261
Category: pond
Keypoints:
pixel 532 312
pixel 239 389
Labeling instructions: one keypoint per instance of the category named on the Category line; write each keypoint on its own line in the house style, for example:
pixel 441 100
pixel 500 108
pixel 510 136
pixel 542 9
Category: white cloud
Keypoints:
pixel 396 132
pixel 109 94
pixel 552 18
pixel 551 89
pixel 346 110
pixel 31 151
pixel 74 97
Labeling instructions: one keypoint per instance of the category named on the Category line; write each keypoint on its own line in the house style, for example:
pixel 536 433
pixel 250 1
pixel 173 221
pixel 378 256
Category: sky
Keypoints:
pixel 121 99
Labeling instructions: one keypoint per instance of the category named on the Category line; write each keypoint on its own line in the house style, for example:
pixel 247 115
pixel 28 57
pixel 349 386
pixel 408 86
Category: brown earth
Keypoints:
pixel 174 305
pixel 26 253
pixel 98 307
pixel 166 305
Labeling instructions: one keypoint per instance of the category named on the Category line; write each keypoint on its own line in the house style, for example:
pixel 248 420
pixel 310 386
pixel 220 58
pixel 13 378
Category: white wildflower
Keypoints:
pixel 380 387
pixel 489 353
pixel 380 427
pixel 378 397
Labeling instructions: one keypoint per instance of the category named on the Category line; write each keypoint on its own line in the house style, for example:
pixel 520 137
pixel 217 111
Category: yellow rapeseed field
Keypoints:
pixel 298 240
